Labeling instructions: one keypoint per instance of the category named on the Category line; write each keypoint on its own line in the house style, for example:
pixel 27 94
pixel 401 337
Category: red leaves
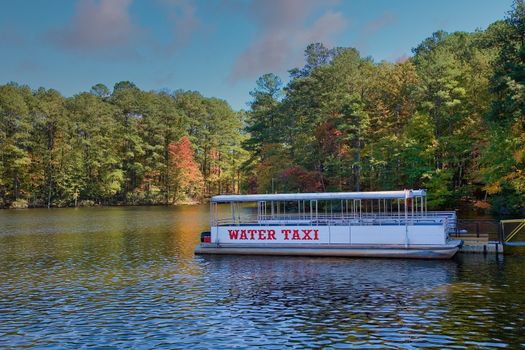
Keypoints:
pixel 184 169
pixel 296 178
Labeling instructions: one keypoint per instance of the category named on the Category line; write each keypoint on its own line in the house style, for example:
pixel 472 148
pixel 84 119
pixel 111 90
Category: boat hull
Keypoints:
pixel 446 251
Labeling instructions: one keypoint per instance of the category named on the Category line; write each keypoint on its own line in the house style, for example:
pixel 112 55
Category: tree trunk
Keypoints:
pixel 15 185
pixel 50 145
pixel 238 191
pixel 219 174
pixel 166 179
pixel 358 166
pixel 205 169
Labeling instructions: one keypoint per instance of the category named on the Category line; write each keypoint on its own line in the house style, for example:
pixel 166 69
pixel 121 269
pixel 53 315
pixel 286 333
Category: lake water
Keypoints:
pixel 127 277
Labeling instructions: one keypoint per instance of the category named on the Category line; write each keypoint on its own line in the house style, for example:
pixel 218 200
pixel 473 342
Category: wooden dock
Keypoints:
pixel 479 243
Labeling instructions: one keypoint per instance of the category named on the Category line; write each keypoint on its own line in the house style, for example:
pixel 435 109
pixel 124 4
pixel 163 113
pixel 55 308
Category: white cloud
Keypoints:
pixel 284 31
pixel 97 25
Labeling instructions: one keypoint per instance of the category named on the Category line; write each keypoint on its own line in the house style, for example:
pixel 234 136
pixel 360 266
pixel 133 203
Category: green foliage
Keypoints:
pixel 507 204
pixel 503 162
pixel 15 140
pixel 438 184
pixel 100 90
pixel 362 125
pixel 113 148
pixel 450 119
pixel 418 148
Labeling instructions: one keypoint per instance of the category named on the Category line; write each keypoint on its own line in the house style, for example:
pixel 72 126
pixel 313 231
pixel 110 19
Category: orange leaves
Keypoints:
pixel 329 138
pixel 184 170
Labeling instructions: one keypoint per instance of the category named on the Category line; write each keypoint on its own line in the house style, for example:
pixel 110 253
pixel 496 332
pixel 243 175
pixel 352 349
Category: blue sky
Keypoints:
pixel 216 47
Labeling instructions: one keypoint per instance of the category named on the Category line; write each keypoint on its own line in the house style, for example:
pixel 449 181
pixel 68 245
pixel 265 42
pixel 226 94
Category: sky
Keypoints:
pixel 216 47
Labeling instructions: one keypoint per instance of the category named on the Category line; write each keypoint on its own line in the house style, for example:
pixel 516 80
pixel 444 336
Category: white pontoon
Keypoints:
pixel 364 224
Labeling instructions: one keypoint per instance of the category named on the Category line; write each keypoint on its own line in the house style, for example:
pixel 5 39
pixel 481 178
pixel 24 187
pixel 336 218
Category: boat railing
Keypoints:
pixel 351 219
pixel 449 215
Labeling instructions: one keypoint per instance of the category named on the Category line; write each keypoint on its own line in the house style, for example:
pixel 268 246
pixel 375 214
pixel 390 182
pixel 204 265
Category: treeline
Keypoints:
pixel 124 146
pixel 449 119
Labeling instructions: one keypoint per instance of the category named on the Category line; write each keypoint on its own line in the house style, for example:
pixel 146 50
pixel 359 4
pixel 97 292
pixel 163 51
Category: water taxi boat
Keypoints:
pixel 388 224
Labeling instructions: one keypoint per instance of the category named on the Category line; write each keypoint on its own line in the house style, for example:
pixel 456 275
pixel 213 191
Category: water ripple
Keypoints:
pixel 136 286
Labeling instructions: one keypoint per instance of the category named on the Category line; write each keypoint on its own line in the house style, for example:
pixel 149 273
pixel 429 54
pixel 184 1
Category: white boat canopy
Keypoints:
pixel 318 196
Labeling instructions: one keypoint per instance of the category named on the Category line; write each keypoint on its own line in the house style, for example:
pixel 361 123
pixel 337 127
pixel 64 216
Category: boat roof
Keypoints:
pixel 319 196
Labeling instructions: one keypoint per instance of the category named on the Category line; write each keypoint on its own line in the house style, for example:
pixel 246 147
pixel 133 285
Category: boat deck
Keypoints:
pixel 350 224
pixel 336 250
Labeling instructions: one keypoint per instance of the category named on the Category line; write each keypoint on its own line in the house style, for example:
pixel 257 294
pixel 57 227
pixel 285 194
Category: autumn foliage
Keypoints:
pixel 185 175
pixel 296 179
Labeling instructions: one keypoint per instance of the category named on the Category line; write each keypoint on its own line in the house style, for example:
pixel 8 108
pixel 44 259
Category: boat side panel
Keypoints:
pixel 271 234
pixel 372 234
pixel 367 234
pixel 427 234
pixel 340 234
pixel 214 231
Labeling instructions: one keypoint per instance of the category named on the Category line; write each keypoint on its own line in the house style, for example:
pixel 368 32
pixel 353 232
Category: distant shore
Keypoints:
pixel 18 205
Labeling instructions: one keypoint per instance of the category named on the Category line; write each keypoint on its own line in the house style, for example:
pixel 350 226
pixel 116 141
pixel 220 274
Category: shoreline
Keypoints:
pixel 466 209
pixel 179 203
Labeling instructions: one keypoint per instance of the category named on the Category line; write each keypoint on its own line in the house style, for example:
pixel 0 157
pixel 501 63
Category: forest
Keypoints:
pixel 449 119
pixel 124 146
